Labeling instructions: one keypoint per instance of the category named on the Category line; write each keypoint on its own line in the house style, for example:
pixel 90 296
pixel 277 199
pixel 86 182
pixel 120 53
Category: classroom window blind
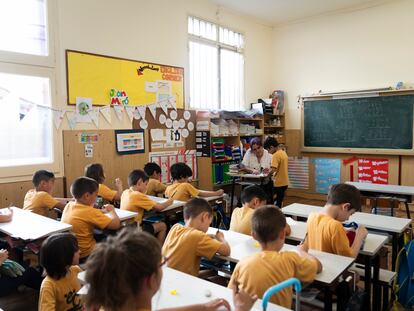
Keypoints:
pixel 23 26
pixel 216 66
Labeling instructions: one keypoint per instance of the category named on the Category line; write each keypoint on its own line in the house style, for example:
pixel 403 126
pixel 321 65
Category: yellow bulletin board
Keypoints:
pixel 142 83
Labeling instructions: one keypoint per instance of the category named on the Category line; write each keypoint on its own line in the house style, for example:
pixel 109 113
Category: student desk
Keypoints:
pixel 125 216
pixel 188 290
pixel 29 226
pixel 393 226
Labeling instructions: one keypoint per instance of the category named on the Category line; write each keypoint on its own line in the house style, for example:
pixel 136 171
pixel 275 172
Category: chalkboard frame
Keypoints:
pixel 353 150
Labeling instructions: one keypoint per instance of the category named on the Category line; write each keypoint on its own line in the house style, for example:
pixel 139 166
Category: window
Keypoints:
pixel 216 66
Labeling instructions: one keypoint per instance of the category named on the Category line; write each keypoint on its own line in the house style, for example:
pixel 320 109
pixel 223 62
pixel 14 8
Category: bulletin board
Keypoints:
pixel 94 76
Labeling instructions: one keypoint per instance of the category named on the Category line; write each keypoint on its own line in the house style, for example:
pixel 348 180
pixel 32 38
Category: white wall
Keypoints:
pixel 363 49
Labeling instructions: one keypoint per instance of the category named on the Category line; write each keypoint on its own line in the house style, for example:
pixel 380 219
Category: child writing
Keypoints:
pixel 59 257
pixel 185 245
pixel 134 259
pixel 324 229
pixel 257 273
pixel 155 187
pixel 96 172
pixel 39 200
pixel 181 189
pixel 135 200
pixel 84 217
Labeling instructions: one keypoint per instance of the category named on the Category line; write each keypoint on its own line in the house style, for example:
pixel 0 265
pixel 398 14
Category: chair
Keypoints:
pixel 277 288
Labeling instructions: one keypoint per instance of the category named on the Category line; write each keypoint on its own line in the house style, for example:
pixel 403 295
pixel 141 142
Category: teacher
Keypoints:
pixel 256 160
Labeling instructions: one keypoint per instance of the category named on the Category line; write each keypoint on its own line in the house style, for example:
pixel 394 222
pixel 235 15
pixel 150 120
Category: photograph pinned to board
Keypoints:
pixel 190 126
pixel 185 133
pixel 181 123
pixel 83 105
pixel 173 115
pixel 169 123
pixel 143 124
pixel 176 125
pixel 129 141
pixel 187 115
pixel 162 119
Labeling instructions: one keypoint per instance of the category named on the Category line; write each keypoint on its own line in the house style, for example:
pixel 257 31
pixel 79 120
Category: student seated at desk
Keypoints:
pixel 96 172
pixel 181 189
pixel 39 200
pixel 252 198
pixel 255 274
pixel 135 200
pixel 59 256
pixel 185 245
pixel 154 187
pixel 84 218
pixel 125 272
pixel 325 231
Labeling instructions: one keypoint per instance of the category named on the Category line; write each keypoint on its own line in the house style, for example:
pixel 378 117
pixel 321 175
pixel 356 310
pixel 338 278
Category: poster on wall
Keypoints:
pixel 374 171
pixel 327 173
pixel 298 170
pixel 129 141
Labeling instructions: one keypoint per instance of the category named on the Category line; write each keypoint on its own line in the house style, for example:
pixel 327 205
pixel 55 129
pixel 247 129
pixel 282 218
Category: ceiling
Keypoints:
pixel 274 12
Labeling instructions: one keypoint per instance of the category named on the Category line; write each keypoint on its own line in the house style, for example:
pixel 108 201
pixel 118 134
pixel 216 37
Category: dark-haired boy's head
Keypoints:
pixel 83 185
pixel 271 144
pixel 180 171
pixel 59 251
pixel 198 213
pixel 268 224
pixel 152 170
pixel 347 198
pixel 253 196
pixel 43 180
pixel 135 176
pixel 95 171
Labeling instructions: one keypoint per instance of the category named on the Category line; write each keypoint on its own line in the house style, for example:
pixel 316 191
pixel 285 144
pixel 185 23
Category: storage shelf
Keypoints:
pixel 250 135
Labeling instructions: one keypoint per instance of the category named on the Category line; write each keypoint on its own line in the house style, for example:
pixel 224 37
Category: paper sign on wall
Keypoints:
pixel 83 105
pixel 373 171
pixel 88 151
pixel 327 173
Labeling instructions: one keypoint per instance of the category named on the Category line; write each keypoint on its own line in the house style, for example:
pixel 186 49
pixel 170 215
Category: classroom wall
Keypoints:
pixel 367 48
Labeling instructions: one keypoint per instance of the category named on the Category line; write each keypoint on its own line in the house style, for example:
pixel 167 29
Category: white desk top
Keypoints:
pixel 245 175
pixel 189 290
pixel 26 225
pixel 176 203
pixel 124 214
pixel 213 198
pixel 394 189
pixel 371 221
pixel 232 237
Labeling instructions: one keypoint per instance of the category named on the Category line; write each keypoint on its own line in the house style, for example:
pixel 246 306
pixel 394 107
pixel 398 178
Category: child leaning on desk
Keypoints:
pixel 325 231
pixel 257 273
pixel 134 199
pixel 154 187
pixel 84 218
pixel 185 245
pixel 96 172
pixel 125 272
pixel 181 189
pixel 39 199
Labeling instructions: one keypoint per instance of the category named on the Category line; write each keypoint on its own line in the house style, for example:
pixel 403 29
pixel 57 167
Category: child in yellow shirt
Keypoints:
pixel 96 172
pixel 154 187
pixel 255 274
pixel 135 200
pixel 324 229
pixel 84 218
pixel 181 189
pixel 185 245
pixel 125 272
pixel 39 200
pixel 59 256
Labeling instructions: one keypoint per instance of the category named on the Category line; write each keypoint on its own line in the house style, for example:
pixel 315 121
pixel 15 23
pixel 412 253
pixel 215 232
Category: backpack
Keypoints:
pixel 404 282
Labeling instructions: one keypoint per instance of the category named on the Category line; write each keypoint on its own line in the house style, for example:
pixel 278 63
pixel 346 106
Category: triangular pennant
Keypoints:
pixel 3 92
pixel 94 115
pixel 141 111
pixel 164 106
pixel 58 116
pixel 43 112
pixel 172 102
pixel 72 120
pixel 153 109
pixel 130 112
pixel 106 112
pixel 24 107
pixel 119 112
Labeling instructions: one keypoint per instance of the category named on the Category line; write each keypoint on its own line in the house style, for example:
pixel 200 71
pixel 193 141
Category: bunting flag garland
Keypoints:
pixel 153 109
pixel 119 111
pixel 72 120
pixel 24 107
pixel 141 111
pixel 164 106
pixel 94 115
pixel 130 112
pixel 106 112
pixel 58 116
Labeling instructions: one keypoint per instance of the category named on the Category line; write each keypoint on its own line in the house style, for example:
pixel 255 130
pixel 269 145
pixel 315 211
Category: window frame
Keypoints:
pixel 220 46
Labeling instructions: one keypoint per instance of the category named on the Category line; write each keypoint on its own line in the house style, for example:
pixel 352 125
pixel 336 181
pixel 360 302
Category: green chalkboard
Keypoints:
pixel 381 122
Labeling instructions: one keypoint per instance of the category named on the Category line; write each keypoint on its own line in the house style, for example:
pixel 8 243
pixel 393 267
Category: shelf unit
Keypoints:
pixel 274 125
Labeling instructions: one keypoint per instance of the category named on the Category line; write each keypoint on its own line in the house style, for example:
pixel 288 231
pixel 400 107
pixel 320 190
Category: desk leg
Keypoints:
pixel 394 244
pixel 367 279
pixel 328 299
pixel 233 186
pixel 375 280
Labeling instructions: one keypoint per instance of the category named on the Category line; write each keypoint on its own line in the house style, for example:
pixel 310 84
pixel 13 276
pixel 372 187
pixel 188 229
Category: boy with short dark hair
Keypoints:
pixel 325 230
pixel 154 187
pixel 39 200
pixel 181 189
pixel 84 218
pixel 257 273
pixel 134 199
pixel 185 245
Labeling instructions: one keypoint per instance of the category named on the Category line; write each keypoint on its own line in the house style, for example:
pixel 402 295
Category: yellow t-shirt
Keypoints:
pixel 327 235
pixel 255 274
pixel 181 191
pixel 184 247
pixel 106 193
pixel 61 295
pixel 136 201
pixel 155 187
pixel 84 219
pixel 39 202
pixel 280 163
pixel 241 220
